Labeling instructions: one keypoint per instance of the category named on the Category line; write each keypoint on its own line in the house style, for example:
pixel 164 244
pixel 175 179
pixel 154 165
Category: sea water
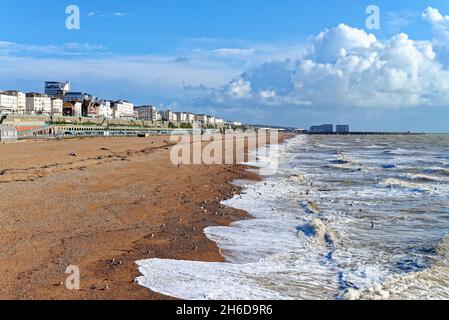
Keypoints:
pixel 344 217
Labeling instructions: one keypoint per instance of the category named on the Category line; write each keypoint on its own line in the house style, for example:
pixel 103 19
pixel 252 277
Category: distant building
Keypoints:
pixel 78 96
pixel 12 101
pixel 182 117
pixel 168 115
pixel 104 109
pixel 72 109
pixel 57 89
pixel 123 110
pixel 342 129
pixel 201 118
pixel 38 103
pixel 190 117
pixel 210 120
pixel 57 105
pixel 219 122
pixel 148 113
pixel 324 128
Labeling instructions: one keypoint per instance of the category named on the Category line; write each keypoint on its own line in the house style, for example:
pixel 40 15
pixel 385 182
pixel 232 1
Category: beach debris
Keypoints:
pixel 72 154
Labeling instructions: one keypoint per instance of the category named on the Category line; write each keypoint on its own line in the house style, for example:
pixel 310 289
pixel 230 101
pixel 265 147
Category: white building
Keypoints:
pixel 8 103
pixel 210 120
pixel 57 106
pixel 219 122
pixel 169 116
pixel 181 117
pixel 190 117
pixel 12 101
pixel 123 110
pixel 148 113
pixel 201 118
pixel 105 110
pixel 38 103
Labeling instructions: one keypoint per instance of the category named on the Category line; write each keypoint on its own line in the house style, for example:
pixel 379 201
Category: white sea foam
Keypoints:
pixel 322 233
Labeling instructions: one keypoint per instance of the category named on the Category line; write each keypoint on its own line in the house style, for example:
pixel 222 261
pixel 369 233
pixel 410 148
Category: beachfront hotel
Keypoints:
pixel 12 101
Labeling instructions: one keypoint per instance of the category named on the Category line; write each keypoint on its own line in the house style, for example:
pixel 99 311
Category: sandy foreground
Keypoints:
pixel 102 204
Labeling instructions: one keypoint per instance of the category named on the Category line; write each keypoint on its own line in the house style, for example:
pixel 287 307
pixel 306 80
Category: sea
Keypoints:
pixel 343 217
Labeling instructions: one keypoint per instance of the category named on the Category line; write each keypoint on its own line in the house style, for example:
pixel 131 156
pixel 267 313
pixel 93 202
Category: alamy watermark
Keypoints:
pixel 372 22
pixel 73 281
pixel 73 21
pixel 254 147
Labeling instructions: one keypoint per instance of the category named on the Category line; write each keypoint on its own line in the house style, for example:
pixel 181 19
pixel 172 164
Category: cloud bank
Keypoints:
pixel 348 67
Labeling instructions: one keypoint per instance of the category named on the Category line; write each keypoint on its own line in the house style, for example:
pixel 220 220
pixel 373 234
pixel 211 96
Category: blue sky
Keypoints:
pixel 272 62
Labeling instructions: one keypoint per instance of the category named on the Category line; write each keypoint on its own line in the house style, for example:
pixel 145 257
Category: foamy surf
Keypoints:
pixel 321 232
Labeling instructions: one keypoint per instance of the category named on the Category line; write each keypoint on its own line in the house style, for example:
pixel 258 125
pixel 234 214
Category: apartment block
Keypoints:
pixel 148 113
pixel 57 89
pixel 57 106
pixel 12 101
pixel 38 103
pixel 123 110
pixel 324 128
pixel 342 128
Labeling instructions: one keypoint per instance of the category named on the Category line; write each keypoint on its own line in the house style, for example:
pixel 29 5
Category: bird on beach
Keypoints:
pixel 372 225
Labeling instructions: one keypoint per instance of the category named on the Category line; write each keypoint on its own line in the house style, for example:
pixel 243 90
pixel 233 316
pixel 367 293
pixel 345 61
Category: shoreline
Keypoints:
pixel 107 236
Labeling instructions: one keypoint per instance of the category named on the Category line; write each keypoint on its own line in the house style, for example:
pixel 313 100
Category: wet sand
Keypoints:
pixel 102 204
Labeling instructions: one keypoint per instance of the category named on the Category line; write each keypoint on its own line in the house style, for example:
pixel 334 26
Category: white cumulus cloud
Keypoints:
pixel 348 67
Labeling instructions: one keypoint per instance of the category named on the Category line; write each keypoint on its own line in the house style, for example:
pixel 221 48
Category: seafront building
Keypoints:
pixel 57 105
pixel 342 129
pixel 324 128
pixel 104 109
pixel 12 101
pixel 170 116
pixel 329 128
pixel 56 89
pixel 38 103
pixel 123 110
pixel 201 118
pixel 148 113
pixel 72 109
pixel 190 117
pixel 78 96
pixel 58 100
